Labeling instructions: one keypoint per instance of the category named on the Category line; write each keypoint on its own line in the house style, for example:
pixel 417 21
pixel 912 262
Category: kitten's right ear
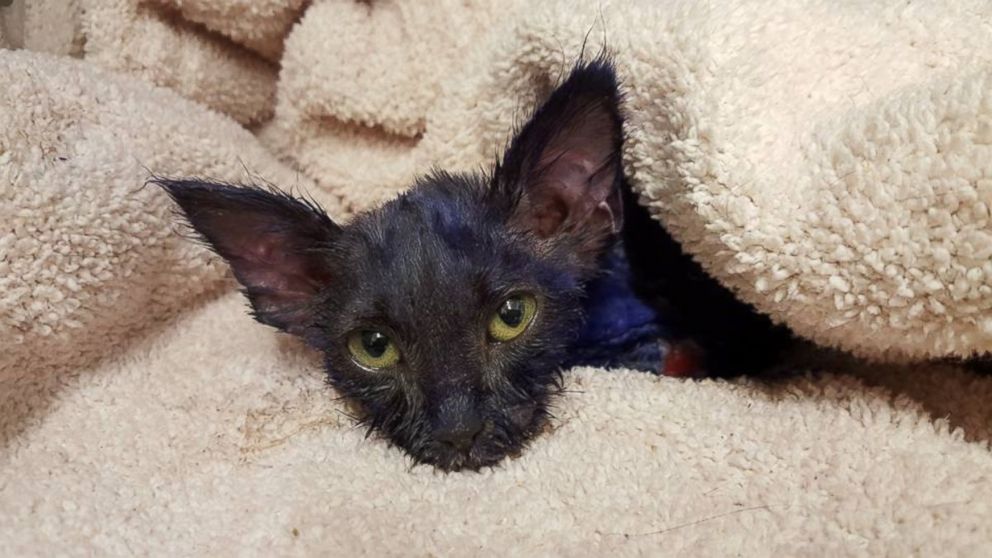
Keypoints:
pixel 279 247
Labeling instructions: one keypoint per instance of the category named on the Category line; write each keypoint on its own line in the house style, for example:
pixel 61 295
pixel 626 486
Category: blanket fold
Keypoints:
pixel 828 161
pixel 89 255
pixel 221 54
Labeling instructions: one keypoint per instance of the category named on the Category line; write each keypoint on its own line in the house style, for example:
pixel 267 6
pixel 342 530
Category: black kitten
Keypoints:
pixel 449 312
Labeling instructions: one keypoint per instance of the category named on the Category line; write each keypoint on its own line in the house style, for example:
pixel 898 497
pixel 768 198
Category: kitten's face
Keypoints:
pixel 444 314
pixel 451 325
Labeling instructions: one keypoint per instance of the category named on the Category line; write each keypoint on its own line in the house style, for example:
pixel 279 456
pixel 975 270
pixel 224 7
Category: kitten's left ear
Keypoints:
pixel 565 163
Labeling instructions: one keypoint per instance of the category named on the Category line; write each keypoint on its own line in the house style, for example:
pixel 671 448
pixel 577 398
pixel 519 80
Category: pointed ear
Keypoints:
pixel 564 166
pixel 279 247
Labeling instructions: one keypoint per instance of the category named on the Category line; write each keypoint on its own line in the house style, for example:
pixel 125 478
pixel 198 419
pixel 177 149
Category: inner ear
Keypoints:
pixel 267 255
pixel 564 166
pixel 280 248
pixel 575 183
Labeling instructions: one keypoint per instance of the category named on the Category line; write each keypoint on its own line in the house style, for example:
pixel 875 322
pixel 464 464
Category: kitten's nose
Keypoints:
pixel 458 423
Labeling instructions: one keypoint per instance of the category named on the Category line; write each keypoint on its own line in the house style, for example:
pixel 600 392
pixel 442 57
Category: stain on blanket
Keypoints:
pixel 278 422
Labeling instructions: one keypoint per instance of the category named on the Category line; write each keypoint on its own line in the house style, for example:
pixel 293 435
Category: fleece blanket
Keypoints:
pixel 829 161
pixel 219 53
pixel 142 412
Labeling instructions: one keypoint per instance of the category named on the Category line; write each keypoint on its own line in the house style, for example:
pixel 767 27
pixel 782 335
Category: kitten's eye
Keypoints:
pixel 373 349
pixel 512 317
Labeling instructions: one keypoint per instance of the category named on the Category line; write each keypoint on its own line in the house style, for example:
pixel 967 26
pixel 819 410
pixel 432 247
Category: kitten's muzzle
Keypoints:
pixel 458 423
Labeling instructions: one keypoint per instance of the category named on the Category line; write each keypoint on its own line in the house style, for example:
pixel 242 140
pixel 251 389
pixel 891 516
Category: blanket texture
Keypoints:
pixel 830 161
pixel 217 53
pixel 89 254
pixel 216 437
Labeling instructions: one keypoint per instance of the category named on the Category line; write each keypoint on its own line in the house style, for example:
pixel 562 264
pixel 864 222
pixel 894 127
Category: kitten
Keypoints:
pixel 449 313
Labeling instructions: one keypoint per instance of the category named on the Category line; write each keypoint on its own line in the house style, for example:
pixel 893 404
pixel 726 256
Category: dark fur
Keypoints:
pixel 431 266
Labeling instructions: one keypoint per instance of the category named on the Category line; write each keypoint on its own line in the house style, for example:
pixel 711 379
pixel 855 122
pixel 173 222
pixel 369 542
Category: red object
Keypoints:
pixel 684 360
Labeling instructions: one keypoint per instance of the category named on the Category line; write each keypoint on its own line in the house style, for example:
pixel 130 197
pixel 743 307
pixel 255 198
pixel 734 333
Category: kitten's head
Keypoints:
pixel 445 313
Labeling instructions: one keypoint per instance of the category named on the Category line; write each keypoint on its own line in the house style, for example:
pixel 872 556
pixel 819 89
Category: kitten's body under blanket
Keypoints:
pixel 620 328
pixel 651 299
pixel 449 313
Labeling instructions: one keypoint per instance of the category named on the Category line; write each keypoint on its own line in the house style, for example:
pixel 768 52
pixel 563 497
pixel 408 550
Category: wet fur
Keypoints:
pixel 431 266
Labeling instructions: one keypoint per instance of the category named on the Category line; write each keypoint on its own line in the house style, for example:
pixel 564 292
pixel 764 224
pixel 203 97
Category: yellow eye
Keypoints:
pixel 512 317
pixel 373 349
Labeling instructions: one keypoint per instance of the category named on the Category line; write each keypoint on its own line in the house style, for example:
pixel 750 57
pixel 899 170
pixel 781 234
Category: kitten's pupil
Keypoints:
pixel 512 312
pixel 374 343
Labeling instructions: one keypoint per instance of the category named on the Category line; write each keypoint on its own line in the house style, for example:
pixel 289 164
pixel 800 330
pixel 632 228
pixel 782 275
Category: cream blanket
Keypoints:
pixel 830 161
